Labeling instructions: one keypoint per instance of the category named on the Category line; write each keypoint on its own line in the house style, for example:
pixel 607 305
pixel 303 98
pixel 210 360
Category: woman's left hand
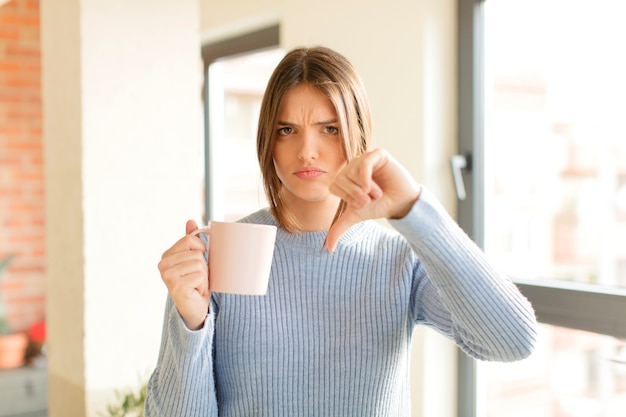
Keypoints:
pixel 374 185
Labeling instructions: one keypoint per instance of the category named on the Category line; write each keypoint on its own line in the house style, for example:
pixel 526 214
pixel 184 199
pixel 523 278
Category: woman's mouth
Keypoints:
pixel 308 172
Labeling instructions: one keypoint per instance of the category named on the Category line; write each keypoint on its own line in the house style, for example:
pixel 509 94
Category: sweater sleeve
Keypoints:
pixel 460 292
pixel 182 383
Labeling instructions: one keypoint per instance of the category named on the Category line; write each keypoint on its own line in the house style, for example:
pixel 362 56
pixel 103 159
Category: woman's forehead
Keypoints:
pixel 306 102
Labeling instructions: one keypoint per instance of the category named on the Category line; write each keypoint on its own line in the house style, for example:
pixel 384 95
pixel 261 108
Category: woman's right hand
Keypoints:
pixel 185 272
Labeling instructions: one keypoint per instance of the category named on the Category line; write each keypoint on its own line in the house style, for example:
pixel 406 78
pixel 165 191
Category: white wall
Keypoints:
pixel 122 134
pixel 405 52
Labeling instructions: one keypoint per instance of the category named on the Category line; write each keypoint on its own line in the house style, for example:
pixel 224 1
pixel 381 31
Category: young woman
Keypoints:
pixel 332 336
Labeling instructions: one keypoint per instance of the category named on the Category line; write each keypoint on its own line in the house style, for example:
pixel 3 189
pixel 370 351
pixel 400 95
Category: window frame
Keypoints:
pixel 579 306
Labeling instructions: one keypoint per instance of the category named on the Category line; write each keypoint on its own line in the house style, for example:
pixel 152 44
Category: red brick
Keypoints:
pixel 34 67
pixel 10 5
pixel 29 113
pixel 21 206
pixel 10 131
pixel 9 66
pixel 10 191
pixel 27 269
pixel 23 51
pixel 23 82
pixel 16 145
pixel 8 286
pixel 19 19
pixel 10 97
pixel 14 223
pixel 32 5
pixel 9 34
pixel 32 176
pixel 22 191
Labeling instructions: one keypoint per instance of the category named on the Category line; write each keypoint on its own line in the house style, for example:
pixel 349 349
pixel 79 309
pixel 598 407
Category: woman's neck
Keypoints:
pixel 314 216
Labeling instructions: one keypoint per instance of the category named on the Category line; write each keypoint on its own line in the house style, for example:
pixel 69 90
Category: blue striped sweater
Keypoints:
pixel 332 336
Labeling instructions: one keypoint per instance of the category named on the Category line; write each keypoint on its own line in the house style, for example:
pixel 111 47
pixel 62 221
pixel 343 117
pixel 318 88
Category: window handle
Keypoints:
pixel 458 163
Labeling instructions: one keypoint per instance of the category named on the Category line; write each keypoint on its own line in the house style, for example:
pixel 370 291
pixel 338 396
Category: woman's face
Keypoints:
pixel 308 150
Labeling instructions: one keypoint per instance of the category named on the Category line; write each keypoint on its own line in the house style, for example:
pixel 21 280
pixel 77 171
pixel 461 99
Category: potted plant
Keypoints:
pixel 12 344
pixel 129 403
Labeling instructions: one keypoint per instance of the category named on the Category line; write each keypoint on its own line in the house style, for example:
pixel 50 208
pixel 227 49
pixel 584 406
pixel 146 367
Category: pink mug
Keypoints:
pixel 240 256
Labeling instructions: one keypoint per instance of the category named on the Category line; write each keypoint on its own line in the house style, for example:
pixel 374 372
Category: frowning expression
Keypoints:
pixel 308 150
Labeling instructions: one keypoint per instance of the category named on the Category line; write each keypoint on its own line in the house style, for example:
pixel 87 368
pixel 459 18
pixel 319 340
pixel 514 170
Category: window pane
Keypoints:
pixel 236 87
pixel 555 141
pixel 571 374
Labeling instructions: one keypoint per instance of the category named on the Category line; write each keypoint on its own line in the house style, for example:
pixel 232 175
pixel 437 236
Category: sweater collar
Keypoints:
pixel 314 240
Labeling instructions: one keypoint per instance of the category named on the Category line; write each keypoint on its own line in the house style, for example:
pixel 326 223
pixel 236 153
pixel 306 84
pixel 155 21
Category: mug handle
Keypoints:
pixel 206 230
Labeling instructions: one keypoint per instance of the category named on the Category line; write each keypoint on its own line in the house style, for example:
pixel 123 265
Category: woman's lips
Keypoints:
pixel 308 172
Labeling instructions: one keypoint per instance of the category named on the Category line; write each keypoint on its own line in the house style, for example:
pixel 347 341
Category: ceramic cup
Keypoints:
pixel 240 256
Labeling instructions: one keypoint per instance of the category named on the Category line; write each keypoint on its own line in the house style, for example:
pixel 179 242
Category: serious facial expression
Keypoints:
pixel 308 149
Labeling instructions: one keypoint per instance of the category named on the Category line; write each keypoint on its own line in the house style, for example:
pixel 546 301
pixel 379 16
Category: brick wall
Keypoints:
pixel 23 285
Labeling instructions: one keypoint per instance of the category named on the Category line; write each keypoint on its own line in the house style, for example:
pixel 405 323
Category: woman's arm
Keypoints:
pixel 461 293
pixel 183 383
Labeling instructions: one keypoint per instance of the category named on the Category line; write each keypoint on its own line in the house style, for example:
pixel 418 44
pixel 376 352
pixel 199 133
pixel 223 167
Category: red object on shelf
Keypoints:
pixel 37 331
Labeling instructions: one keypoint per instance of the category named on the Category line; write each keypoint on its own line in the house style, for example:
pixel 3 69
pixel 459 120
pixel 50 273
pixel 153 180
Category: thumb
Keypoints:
pixel 348 219
pixel 190 226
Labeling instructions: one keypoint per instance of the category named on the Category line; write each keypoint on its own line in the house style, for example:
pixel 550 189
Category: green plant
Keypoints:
pixel 4 325
pixel 129 403
pixel 5 263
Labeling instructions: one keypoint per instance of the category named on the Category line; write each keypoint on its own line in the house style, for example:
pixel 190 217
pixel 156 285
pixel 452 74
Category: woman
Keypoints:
pixel 332 336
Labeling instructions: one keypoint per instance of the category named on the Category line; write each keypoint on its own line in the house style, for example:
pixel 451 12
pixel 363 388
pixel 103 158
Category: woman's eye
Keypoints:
pixel 284 131
pixel 331 130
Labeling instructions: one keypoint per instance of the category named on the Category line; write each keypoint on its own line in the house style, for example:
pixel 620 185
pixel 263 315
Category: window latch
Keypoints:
pixel 458 163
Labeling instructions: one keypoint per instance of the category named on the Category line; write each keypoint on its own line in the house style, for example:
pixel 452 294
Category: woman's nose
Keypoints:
pixel 308 148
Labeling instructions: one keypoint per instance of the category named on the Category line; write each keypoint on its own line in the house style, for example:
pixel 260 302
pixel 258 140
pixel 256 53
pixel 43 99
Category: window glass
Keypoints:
pixel 236 86
pixel 571 374
pixel 555 140
pixel 555 191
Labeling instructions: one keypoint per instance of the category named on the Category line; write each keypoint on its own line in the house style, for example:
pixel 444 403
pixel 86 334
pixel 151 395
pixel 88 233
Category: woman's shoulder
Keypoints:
pixel 262 216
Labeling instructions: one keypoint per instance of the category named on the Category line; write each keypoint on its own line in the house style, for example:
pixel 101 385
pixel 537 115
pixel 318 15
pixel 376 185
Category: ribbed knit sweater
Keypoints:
pixel 332 336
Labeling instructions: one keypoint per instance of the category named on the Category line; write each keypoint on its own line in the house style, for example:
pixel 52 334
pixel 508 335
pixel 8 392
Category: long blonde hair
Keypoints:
pixel 334 76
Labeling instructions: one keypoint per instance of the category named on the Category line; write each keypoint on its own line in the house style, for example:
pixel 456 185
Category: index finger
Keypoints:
pixel 185 243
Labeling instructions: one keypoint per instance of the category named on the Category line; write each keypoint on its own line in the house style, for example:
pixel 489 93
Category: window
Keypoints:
pixel 236 74
pixel 541 91
pixel 572 373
